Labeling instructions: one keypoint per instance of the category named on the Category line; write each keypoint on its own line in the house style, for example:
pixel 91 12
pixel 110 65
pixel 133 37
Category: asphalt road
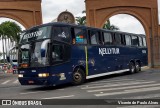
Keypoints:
pixel 143 85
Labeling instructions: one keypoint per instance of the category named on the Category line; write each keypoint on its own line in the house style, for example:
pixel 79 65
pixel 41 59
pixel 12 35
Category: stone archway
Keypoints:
pixel 146 11
pixel 26 12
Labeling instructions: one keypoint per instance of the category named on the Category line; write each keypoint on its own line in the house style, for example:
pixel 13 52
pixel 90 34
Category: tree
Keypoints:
pixel 81 20
pixel 108 26
pixel 9 31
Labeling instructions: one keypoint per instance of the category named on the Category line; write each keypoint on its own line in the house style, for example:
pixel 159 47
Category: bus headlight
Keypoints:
pixel 43 75
pixel 20 75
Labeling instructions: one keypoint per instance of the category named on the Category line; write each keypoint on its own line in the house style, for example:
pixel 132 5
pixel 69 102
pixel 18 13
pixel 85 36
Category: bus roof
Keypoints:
pixel 81 26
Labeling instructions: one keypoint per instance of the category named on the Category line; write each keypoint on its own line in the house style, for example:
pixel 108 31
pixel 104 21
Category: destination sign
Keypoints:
pixel 33 34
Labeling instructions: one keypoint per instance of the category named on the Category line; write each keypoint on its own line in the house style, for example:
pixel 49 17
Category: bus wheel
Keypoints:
pixel 138 67
pixel 78 76
pixel 132 67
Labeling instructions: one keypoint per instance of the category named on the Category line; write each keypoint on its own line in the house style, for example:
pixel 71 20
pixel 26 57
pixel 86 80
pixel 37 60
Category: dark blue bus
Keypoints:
pixel 58 53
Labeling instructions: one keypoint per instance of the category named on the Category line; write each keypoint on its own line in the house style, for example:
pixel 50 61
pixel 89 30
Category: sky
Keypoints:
pixel 52 8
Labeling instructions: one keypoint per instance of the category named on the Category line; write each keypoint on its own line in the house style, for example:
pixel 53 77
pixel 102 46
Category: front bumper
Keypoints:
pixel 38 81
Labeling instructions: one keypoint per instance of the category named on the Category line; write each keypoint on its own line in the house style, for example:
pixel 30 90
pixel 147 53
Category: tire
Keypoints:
pixel 79 77
pixel 132 68
pixel 138 67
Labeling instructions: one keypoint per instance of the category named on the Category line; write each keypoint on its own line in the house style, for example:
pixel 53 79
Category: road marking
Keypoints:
pixel 16 81
pixel 120 84
pixel 144 89
pixel 6 82
pixel 129 91
pixel 31 92
pixel 59 97
pixel 116 80
pixel 149 96
pixel 121 88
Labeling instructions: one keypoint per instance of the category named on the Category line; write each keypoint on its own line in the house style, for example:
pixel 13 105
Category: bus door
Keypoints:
pixel 60 49
pixel 60 56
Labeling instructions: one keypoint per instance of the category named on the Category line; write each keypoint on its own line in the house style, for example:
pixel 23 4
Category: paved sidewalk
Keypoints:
pixel 5 75
pixel 153 70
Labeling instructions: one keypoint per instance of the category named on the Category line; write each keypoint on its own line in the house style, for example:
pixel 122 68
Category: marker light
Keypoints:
pixel 43 75
pixel 20 75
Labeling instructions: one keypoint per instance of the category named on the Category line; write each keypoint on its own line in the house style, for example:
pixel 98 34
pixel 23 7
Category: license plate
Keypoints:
pixel 30 82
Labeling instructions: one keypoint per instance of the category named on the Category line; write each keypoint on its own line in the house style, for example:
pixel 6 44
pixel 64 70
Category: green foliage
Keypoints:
pixel 108 26
pixel 10 30
pixel 81 20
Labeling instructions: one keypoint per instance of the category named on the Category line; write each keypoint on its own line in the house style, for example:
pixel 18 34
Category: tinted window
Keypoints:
pixel 35 34
pixel 144 42
pixel 128 40
pixel 94 35
pixel 123 42
pixel 140 41
pixel 118 40
pixel 135 40
pixel 61 34
pixel 79 36
pixel 57 51
pixel 107 38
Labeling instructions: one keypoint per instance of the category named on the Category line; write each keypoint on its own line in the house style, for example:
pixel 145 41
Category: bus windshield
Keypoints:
pixel 31 54
pixel 35 34
pixel 36 59
pixel 34 46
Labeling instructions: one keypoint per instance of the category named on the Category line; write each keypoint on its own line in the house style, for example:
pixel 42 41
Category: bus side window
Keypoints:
pixel 107 38
pixel 123 39
pixel 135 41
pixel 128 40
pixel 79 36
pixel 144 42
pixel 57 53
pixel 94 37
pixel 61 34
pixel 140 41
pixel 118 40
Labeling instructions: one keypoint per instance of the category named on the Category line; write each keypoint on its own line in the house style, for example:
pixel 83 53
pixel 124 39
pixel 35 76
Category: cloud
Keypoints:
pixel 127 23
pixel 51 9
